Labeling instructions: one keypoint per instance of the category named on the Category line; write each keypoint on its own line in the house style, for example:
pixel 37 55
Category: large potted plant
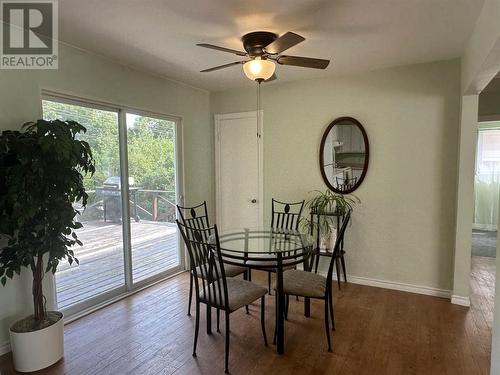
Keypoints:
pixel 41 178
pixel 324 203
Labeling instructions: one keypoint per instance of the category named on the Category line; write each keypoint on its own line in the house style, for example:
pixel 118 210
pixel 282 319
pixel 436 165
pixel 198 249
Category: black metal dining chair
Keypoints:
pixel 311 285
pixel 217 290
pixel 284 216
pixel 197 217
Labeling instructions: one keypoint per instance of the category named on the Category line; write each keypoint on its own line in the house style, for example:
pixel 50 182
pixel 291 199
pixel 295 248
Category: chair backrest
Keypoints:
pixel 345 183
pixel 195 216
pixel 337 247
pixel 206 263
pixel 286 215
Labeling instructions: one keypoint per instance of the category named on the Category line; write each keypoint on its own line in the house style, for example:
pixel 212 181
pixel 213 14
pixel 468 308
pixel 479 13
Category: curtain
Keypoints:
pixel 487 179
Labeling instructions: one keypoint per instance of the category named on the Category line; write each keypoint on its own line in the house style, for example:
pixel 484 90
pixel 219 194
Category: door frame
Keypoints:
pixel 218 118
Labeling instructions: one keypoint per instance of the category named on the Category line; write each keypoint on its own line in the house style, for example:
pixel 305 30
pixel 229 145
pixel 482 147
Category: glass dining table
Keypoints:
pixel 268 249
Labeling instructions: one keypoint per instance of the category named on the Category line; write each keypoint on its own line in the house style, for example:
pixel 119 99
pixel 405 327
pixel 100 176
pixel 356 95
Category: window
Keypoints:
pixel 487 179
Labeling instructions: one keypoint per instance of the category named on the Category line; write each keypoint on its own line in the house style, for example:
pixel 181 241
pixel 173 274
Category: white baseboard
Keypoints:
pixel 4 348
pixel 394 285
pixel 460 300
pixel 443 293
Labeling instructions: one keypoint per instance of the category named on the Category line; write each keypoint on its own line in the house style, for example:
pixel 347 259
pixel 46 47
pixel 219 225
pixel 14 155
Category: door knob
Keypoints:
pixel 254 200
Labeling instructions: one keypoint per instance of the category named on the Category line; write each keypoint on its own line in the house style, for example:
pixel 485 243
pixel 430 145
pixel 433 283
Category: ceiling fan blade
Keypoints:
pixel 222 66
pixel 284 42
pixel 272 78
pixel 306 62
pixel 223 49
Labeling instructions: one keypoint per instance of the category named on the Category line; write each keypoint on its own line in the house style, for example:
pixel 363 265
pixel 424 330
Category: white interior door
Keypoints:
pixel 238 170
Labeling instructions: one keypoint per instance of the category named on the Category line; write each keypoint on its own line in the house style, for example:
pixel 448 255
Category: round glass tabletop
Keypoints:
pixel 264 241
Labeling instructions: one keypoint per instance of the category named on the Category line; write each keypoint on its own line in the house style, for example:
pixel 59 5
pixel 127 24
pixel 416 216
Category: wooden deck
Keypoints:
pixel 101 268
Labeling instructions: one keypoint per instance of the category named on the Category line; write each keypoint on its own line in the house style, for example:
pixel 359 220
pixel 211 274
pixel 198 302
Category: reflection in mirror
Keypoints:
pixel 344 155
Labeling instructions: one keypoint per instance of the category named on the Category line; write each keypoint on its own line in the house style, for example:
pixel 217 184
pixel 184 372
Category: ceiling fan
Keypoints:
pixel 262 49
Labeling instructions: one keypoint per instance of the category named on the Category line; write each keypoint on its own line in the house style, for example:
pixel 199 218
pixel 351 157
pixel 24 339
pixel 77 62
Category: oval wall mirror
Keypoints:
pixel 344 154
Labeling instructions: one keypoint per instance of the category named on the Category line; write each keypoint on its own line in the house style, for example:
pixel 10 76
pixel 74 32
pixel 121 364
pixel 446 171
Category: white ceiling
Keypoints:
pixel 159 36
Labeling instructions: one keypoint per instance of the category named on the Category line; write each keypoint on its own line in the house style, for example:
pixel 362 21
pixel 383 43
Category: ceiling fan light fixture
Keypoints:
pixel 262 51
pixel 259 69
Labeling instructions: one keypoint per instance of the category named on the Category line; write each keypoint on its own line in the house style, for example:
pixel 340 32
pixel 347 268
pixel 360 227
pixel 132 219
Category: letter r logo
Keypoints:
pixel 27 27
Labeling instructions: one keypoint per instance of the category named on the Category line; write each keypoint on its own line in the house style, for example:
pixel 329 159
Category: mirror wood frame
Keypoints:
pixel 353 122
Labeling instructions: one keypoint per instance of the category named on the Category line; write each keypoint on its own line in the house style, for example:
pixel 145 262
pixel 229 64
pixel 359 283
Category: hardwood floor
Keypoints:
pixel 379 331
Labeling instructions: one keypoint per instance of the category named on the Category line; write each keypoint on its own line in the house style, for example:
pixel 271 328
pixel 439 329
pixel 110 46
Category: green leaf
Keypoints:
pixel 41 177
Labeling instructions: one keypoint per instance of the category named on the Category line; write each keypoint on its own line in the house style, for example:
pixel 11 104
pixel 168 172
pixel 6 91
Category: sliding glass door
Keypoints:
pixel 101 256
pixel 129 234
pixel 151 165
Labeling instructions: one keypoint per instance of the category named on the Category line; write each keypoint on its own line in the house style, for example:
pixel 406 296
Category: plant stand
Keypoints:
pixel 328 252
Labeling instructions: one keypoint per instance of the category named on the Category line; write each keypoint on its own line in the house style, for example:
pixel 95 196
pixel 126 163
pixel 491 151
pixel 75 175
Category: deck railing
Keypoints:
pixel 160 204
pixel 153 205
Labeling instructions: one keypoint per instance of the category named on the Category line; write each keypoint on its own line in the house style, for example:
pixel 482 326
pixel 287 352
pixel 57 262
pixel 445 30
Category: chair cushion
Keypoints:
pixel 239 292
pixel 304 284
pixel 229 269
pixel 232 271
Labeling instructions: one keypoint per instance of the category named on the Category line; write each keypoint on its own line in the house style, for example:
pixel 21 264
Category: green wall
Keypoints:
pixel 404 229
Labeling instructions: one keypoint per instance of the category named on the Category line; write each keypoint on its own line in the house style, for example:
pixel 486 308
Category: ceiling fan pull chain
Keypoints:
pixel 258 109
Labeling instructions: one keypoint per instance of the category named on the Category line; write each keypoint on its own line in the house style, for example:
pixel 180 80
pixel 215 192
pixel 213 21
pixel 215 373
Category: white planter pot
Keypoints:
pixel 324 241
pixel 333 238
pixel 327 241
pixel 37 350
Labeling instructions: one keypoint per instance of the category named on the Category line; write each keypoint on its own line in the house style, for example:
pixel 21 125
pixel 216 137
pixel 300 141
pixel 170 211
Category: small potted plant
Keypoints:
pixel 41 178
pixel 323 203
